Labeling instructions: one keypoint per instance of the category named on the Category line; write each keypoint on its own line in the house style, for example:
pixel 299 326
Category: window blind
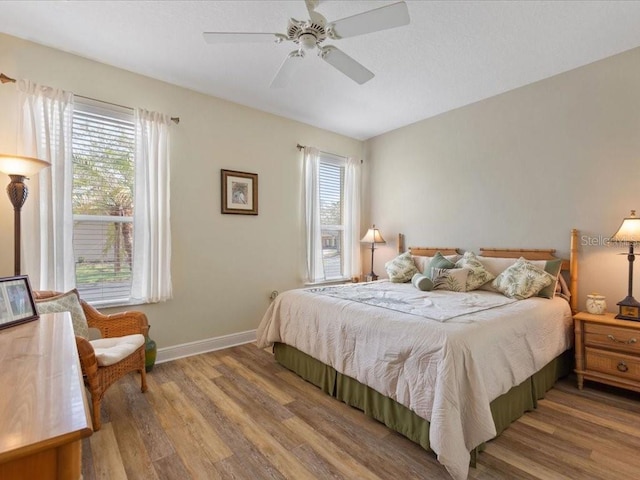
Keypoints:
pixel 103 144
pixel 331 181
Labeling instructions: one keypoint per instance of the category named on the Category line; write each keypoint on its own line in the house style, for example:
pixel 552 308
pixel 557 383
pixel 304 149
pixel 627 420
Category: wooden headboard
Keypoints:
pixel 431 251
pixel 425 251
pixel 570 265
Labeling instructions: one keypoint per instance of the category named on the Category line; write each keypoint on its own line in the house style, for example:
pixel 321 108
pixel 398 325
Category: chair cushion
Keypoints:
pixel 111 350
pixel 67 302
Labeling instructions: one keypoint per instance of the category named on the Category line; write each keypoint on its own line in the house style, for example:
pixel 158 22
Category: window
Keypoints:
pixel 103 145
pixel 331 216
pixel 331 181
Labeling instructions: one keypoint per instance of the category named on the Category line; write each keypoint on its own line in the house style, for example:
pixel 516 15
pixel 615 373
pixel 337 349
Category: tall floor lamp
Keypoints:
pixel 373 237
pixel 19 169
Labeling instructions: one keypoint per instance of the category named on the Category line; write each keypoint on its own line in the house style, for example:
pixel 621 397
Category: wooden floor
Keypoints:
pixel 236 414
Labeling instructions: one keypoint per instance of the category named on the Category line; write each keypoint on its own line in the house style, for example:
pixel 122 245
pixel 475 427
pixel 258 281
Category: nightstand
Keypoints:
pixel 607 350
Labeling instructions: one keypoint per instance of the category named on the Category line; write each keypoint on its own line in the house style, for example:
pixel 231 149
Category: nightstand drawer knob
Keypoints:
pixel 622 367
pixel 628 342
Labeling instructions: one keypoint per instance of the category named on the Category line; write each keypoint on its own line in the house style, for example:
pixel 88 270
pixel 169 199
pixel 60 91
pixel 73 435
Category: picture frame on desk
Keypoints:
pixel 16 301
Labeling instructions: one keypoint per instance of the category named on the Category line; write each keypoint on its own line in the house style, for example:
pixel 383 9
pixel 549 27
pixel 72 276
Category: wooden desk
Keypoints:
pixel 43 407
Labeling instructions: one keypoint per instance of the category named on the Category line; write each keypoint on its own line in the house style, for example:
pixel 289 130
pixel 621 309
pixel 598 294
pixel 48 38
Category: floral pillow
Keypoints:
pixel 478 275
pixel 452 279
pixel 401 269
pixel 497 265
pixel 522 280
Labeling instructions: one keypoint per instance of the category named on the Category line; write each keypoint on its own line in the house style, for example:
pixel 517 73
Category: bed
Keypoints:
pixel 448 370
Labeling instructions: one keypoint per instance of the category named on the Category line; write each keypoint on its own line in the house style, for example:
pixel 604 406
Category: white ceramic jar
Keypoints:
pixel 596 304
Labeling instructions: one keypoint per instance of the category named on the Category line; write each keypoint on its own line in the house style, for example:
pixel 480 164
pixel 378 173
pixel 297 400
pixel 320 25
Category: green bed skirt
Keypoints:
pixel 505 409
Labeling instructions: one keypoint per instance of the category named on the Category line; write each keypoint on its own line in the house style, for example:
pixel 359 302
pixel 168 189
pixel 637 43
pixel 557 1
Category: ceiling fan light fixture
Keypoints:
pixel 307 41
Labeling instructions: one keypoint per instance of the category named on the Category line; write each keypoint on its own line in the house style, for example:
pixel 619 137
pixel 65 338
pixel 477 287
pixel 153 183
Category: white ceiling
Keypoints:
pixel 453 53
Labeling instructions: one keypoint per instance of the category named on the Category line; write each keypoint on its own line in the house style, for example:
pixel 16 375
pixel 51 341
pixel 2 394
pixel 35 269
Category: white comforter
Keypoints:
pixel 447 372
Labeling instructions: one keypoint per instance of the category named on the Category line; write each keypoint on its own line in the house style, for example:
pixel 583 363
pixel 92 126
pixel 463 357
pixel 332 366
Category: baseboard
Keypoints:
pixel 167 354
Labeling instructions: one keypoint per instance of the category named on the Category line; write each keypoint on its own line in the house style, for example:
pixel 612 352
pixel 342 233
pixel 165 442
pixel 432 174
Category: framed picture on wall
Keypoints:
pixel 16 301
pixel 239 192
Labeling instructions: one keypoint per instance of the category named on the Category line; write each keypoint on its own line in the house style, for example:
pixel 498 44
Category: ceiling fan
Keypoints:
pixel 310 34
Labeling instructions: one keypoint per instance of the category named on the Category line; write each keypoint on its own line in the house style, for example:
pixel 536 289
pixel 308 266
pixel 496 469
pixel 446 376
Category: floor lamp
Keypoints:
pixel 629 232
pixel 19 169
pixel 373 237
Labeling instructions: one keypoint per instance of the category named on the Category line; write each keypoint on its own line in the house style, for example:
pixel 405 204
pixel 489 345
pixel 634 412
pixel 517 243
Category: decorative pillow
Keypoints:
pixel 422 262
pixel 401 269
pixel 522 280
pixel 438 262
pixel 552 267
pixel 422 282
pixel 497 265
pixel 453 279
pixel 478 275
pixel 67 302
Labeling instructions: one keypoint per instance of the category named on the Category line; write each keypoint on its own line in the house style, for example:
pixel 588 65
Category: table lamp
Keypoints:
pixel 19 168
pixel 629 232
pixel 373 236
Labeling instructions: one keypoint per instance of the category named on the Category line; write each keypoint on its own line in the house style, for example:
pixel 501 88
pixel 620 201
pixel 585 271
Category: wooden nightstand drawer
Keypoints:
pixel 612 363
pixel 618 338
pixel 607 350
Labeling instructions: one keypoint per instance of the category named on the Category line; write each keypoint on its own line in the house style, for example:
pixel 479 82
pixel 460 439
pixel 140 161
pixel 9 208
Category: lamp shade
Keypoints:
pixel 373 236
pixel 629 230
pixel 17 165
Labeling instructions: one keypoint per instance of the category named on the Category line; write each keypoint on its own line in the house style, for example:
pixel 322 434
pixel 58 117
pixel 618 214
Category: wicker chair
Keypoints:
pixel 98 378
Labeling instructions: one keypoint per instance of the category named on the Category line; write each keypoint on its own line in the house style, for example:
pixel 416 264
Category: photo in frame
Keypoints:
pixel 239 192
pixel 16 301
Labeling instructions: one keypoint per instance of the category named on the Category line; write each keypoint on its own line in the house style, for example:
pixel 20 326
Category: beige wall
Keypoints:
pixel 224 266
pixel 520 170
pixel 517 170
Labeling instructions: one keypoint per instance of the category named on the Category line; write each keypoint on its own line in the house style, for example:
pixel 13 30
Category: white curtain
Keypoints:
pixel 313 233
pixel 44 131
pixel 352 180
pixel 151 280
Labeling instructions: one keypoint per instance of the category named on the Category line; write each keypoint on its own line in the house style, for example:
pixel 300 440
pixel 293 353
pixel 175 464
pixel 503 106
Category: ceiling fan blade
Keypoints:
pixel 311 5
pixel 287 68
pixel 241 37
pixel 313 15
pixel 347 65
pixel 390 16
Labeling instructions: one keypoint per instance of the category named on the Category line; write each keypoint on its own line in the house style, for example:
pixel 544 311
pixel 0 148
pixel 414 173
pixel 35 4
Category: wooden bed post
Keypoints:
pixel 573 271
pixel 401 247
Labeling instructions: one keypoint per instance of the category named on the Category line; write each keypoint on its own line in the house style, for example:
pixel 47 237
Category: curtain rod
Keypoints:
pixel 5 79
pixel 302 147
